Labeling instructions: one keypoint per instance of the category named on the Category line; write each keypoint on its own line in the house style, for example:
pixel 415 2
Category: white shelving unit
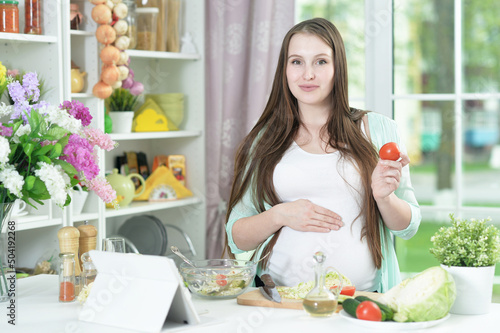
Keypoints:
pixel 160 72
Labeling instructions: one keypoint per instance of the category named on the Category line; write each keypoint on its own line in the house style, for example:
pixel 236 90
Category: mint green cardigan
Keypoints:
pixel 382 130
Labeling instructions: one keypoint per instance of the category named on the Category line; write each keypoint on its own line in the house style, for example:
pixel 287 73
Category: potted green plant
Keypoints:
pixel 469 250
pixel 121 106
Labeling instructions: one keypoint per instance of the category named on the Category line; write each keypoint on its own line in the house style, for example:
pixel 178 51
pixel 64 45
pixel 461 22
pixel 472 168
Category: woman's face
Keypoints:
pixel 309 70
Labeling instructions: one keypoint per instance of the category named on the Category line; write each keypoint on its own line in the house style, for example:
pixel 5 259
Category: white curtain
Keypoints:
pixel 243 40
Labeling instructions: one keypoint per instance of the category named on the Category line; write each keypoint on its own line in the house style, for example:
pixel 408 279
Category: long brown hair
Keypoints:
pixel 277 127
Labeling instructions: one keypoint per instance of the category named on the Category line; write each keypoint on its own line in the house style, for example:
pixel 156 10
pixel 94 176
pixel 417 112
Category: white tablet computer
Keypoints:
pixel 137 292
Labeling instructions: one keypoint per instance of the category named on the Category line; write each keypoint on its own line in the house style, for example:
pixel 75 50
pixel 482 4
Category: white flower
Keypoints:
pixel 62 118
pixel 4 150
pixel 22 130
pixel 56 183
pixel 11 179
pixel 5 110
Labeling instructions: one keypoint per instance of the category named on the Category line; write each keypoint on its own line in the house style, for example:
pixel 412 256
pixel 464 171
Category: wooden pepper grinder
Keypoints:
pixel 69 238
pixel 88 239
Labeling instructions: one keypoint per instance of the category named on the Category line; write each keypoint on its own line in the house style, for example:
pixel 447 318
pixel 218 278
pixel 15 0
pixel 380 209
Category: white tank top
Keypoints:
pixel 334 184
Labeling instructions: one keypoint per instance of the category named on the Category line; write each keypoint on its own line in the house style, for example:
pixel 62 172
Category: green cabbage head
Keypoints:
pixel 428 295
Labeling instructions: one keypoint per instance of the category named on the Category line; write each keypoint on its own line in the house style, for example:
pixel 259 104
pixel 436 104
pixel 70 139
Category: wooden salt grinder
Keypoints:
pixel 68 242
pixel 88 239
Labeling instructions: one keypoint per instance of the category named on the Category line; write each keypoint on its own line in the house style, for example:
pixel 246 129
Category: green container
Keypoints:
pixel 171 104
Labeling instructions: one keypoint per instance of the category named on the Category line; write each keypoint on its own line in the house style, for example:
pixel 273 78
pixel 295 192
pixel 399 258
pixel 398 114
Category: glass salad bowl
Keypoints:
pixel 218 278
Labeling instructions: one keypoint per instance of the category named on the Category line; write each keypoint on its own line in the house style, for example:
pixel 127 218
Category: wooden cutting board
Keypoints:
pixel 255 298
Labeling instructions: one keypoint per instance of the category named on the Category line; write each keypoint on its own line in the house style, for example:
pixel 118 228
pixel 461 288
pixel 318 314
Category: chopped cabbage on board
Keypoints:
pixel 302 289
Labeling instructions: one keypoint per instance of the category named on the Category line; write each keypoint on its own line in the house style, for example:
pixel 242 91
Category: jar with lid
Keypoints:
pixel 9 16
pixel 33 17
pixel 132 22
pixel 320 301
pixel 67 277
pixel 146 28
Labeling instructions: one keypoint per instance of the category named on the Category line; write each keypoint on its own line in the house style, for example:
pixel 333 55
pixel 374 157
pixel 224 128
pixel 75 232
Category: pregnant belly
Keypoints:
pixel 292 258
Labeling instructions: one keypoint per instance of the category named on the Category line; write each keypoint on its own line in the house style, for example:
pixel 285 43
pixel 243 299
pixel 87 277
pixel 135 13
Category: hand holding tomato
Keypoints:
pixel 387 173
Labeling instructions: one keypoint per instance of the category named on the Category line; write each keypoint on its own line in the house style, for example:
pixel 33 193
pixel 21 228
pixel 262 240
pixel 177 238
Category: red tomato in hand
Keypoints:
pixel 221 280
pixel 390 151
pixel 368 310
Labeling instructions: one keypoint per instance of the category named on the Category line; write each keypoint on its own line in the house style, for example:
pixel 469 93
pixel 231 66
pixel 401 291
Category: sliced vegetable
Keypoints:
pixel 367 310
pixel 350 305
pixel 428 295
pixel 347 290
pixel 221 280
pixel 342 298
pixel 387 313
pixel 302 289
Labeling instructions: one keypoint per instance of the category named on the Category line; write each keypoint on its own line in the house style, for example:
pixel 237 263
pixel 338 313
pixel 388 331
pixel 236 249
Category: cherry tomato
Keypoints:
pixel 390 151
pixel 347 290
pixel 220 279
pixel 368 310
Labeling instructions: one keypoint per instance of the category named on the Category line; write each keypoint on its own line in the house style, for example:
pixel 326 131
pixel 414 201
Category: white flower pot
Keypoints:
pixel 474 289
pixel 122 121
pixel 78 198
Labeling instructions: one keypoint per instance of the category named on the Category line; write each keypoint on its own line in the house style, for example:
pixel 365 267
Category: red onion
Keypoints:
pixel 128 83
pixel 137 88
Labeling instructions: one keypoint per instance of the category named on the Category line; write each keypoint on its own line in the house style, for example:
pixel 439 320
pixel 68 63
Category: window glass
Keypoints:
pixel 481 153
pixel 428 130
pixel 423 46
pixel 348 17
pixel 481 45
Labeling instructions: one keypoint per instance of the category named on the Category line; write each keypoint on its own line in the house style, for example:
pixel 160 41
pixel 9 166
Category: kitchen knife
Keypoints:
pixel 269 289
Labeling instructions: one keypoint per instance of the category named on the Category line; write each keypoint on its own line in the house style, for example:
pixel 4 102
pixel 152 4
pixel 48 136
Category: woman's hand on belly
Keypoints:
pixel 303 215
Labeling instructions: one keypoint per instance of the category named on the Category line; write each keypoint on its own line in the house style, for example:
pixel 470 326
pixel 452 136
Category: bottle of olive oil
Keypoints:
pixel 321 302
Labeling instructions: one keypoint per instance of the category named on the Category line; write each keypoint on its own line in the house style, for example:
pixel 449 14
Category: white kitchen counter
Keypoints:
pixel 38 310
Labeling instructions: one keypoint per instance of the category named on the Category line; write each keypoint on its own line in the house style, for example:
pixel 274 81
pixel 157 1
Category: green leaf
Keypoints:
pixel 68 200
pixel 67 167
pixel 39 190
pixel 44 150
pixel 13 149
pixel 74 181
pixel 29 182
pixel 28 148
pixel 45 159
pixel 56 152
pixel 57 133
pixel 64 140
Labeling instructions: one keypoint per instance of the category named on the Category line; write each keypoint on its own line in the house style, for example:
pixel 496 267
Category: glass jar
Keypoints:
pixel 9 16
pixel 132 22
pixel 89 272
pixel 146 28
pixel 33 17
pixel 67 277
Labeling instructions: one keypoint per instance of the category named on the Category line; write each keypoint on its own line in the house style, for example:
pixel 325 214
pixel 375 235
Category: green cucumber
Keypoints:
pixel 350 305
pixel 387 313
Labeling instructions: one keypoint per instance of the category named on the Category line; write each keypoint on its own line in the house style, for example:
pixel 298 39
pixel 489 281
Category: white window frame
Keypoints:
pixel 379 96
